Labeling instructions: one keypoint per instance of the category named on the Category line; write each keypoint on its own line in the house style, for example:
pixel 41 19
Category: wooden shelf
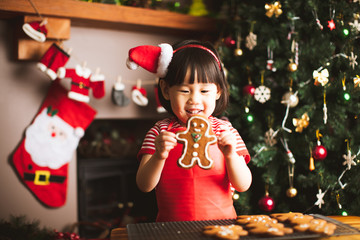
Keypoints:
pixel 112 16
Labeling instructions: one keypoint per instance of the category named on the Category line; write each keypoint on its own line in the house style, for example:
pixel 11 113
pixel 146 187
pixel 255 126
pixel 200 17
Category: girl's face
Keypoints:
pixel 191 99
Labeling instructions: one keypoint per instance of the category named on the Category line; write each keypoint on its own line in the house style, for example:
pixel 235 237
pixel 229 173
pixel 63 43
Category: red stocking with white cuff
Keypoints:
pixel 42 158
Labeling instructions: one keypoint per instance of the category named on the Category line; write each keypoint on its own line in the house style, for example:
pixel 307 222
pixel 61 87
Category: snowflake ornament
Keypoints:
pixel 355 25
pixel 320 197
pixel 262 94
pixel 349 160
pixel 270 137
pixel 352 60
pixel 251 41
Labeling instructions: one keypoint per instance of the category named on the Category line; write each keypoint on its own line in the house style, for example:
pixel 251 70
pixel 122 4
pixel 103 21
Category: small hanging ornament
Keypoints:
pixel 355 25
pixel 36 30
pixel 273 9
pixel 293 65
pixel 321 78
pixel 338 200
pixel 266 203
pixel 356 81
pixel 251 39
pixel 301 123
pixel 319 152
pixel 291 157
pixel 352 60
pixel 320 197
pixel 270 135
pixel 270 61
pixel 290 99
pixel 311 162
pixel 325 108
pixel 249 89
pixel 262 94
pixel 291 191
pixel 331 23
pixel 349 158
pixel 198 8
pixel 229 41
pixel 238 51
pixel 318 23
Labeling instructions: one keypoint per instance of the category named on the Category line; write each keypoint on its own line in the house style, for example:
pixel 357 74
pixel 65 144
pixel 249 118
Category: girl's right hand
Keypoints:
pixel 164 142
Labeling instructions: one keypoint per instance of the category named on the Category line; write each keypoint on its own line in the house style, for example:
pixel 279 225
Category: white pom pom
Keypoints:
pixel 131 65
pixel 79 132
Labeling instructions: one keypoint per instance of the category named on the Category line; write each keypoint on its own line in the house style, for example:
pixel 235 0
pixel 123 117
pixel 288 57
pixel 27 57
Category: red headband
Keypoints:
pixel 201 47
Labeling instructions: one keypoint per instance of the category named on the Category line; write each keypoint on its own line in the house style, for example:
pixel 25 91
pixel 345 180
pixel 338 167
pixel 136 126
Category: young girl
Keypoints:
pixel 192 82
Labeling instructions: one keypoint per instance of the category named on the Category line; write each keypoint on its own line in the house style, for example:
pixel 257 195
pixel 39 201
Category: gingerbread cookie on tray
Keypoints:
pixel 196 139
pixel 227 232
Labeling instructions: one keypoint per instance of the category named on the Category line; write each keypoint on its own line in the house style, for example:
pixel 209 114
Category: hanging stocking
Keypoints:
pixel 54 58
pixel 139 95
pixel 159 107
pixel 117 94
pixel 42 158
pixel 97 84
pixel 36 30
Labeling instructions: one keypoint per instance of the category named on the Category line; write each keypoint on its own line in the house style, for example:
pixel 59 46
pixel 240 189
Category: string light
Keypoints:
pixel 347 96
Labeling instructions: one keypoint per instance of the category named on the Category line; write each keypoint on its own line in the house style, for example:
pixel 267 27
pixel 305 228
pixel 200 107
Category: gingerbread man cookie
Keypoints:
pixel 196 138
pixel 229 232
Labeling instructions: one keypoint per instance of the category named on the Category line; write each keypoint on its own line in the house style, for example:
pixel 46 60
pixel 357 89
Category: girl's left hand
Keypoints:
pixel 227 143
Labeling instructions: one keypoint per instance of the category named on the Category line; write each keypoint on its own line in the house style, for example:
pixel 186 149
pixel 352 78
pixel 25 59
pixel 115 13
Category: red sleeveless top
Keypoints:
pixel 195 193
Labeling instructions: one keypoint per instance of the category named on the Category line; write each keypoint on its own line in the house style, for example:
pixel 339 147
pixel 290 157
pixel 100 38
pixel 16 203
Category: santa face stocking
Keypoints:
pixel 42 158
pixel 52 60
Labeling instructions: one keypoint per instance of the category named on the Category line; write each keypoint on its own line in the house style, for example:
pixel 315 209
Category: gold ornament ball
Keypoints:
pixel 292 67
pixel 238 52
pixel 291 192
pixel 291 99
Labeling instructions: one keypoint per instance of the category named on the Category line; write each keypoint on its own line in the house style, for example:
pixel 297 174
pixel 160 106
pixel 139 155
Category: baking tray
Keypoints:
pixel 189 230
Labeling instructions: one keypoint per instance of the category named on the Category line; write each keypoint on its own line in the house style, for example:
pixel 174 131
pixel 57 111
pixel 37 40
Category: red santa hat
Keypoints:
pixel 36 30
pixel 155 59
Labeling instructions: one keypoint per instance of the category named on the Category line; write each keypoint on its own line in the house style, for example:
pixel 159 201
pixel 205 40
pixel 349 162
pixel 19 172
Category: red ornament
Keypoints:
pixel 319 152
pixel 249 90
pixel 229 42
pixel 331 24
pixel 266 203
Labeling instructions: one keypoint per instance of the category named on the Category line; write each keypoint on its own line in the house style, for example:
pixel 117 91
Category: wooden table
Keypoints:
pixel 354 221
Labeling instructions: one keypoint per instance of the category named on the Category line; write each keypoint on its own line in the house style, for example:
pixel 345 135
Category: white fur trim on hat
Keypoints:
pixel 33 33
pixel 164 59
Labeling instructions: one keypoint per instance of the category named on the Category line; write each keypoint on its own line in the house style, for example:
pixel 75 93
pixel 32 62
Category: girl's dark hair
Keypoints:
pixel 202 63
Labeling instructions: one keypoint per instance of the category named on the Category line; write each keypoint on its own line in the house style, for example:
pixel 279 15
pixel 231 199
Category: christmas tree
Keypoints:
pixel 295 99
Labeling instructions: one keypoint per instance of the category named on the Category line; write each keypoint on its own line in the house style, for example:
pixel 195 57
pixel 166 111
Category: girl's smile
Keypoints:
pixel 191 99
